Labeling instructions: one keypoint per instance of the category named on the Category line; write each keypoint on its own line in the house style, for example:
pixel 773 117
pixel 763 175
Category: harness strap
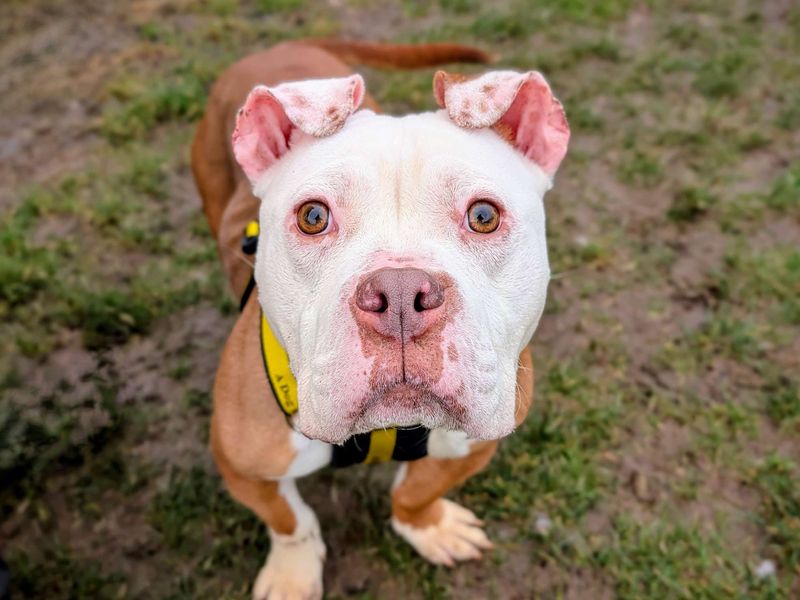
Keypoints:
pixel 249 246
pixel 381 445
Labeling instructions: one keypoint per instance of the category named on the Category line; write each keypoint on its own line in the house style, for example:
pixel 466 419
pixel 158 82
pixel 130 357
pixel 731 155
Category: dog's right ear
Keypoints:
pixel 520 107
pixel 264 125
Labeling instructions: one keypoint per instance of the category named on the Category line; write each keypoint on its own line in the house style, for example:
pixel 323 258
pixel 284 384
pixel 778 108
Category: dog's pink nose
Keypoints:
pixel 399 303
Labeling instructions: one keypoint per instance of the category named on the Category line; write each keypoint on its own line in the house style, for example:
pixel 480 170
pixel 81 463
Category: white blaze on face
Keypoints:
pixel 398 190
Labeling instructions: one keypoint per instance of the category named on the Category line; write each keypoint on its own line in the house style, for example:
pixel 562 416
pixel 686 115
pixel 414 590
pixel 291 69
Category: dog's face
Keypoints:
pixel 402 261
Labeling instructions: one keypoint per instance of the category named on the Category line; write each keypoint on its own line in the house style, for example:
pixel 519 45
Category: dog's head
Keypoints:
pixel 402 260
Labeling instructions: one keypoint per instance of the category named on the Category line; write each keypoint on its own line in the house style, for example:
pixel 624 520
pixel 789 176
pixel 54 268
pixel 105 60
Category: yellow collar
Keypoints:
pixel 284 388
pixel 279 373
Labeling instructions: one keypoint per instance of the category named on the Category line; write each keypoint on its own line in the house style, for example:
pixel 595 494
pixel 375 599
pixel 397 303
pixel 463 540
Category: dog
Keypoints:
pixel 400 272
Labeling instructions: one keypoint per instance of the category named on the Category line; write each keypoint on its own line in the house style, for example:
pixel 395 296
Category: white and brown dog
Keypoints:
pixel 401 271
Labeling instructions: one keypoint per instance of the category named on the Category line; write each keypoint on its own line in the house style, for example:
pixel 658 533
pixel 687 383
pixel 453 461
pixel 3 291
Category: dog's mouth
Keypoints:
pixel 406 404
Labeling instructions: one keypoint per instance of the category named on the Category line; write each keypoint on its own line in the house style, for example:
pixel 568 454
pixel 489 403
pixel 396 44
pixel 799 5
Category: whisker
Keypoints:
pixel 563 274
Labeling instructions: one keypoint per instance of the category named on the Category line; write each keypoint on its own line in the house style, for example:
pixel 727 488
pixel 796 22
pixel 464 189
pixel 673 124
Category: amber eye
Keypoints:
pixel 312 217
pixel 483 217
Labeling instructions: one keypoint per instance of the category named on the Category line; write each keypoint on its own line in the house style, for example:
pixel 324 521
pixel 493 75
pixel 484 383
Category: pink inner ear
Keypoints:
pixel 520 107
pixel 265 123
pixel 262 133
pixel 540 127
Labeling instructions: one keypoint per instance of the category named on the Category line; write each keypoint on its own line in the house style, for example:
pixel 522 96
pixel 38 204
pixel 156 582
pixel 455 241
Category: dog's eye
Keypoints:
pixel 483 217
pixel 312 217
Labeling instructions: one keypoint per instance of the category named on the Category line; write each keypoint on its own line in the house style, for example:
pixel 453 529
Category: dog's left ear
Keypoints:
pixel 518 106
pixel 270 115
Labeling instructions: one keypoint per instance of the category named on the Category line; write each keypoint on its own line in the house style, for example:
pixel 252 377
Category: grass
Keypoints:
pixel 144 105
pixel 662 561
pixel 86 580
pixel 551 461
pixel 661 452
pixel 690 204
pixel 777 477
pixel 45 284
pixel 783 401
pixel 55 433
pixel 785 193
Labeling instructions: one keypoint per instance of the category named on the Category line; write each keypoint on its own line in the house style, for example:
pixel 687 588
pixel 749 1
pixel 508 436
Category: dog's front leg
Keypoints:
pixel 293 570
pixel 439 529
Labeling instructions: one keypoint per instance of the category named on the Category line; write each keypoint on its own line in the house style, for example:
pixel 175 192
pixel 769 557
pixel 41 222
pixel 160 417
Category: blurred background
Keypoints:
pixel 662 456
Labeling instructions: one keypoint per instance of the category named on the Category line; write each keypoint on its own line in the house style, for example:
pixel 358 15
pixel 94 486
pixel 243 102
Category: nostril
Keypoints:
pixel 429 297
pixel 418 300
pixel 383 304
pixel 390 292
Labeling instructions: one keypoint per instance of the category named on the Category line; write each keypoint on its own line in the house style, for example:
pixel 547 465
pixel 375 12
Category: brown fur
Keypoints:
pixel 248 430
pixel 401 56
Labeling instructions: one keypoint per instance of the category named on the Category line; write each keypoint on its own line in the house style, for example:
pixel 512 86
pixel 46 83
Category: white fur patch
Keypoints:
pixel 400 475
pixel 480 102
pixel 312 455
pixel 319 107
pixel 447 444
pixel 294 566
pixel 458 536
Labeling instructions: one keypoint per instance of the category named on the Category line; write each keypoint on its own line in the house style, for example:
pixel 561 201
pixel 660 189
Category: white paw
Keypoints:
pixel 457 536
pixel 293 570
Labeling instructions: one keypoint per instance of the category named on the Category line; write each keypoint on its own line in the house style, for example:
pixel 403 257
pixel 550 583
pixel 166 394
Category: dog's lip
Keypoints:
pixel 405 405
pixel 363 419
pixel 411 395
pixel 375 412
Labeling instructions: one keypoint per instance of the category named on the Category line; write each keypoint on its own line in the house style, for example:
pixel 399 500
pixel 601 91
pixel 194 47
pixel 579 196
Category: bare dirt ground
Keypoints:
pixel 662 457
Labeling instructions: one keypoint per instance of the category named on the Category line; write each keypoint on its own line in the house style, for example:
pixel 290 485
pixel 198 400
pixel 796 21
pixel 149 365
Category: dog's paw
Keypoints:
pixel 457 536
pixel 293 570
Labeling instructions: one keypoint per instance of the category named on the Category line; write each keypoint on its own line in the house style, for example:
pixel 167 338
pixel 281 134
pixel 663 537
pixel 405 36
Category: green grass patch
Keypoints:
pixel 690 203
pixel 789 115
pixel 727 335
pixel 785 193
pixel 721 75
pixel 459 7
pixel 145 174
pixel 400 93
pixel 25 269
pixel 196 517
pixel 657 560
pixel 497 27
pixel 271 6
pixel 639 167
pixel 552 460
pixel 768 282
pixel 43 279
pixel 109 317
pixel 783 400
pixel 143 105
pixel 55 432
pixel 66 577
pixel 778 479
